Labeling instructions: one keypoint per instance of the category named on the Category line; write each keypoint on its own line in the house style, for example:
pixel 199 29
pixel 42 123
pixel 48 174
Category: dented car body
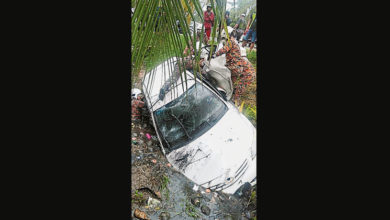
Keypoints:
pixel 203 135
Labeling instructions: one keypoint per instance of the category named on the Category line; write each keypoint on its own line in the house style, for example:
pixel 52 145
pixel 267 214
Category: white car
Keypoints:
pixel 203 135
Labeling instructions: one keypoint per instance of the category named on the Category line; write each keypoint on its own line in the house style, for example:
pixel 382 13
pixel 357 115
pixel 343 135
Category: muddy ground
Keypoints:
pixel 171 195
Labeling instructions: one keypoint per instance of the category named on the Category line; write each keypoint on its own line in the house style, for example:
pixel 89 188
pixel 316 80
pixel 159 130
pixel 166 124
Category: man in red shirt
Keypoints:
pixel 208 21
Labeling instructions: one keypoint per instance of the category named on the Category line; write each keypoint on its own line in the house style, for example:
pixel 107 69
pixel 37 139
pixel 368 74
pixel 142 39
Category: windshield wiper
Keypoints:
pixel 182 126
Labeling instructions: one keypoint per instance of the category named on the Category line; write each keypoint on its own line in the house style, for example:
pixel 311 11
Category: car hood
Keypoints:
pixel 218 154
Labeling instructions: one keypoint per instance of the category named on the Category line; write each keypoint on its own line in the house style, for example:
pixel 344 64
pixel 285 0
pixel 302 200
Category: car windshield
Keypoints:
pixel 189 116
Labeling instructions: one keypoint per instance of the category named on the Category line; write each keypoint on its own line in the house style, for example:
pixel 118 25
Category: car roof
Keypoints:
pixel 154 80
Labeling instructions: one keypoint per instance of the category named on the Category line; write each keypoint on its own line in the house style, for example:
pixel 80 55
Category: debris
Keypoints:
pixel 149 143
pixel 154 161
pixel 195 202
pixel 148 136
pixel 195 188
pixel 135 135
pixel 154 137
pixel 205 210
pixel 140 214
pixel 164 216
pixel 248 214
pixel 158 194
pixel 134 138
pixel 141 141
pixel 136 109
pixel 134 142
pixel 153 202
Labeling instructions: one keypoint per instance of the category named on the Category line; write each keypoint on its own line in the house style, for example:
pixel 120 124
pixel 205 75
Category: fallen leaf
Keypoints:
pixel 140 214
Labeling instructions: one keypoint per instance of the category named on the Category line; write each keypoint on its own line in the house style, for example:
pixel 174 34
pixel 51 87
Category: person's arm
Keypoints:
pixel 185 51
pixel 238 23
pixel 247 26
pixel 141 104
pixel 223 50
pixel 206 17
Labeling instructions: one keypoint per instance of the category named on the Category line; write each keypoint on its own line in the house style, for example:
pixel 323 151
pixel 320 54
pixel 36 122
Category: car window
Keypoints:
pixel 189 116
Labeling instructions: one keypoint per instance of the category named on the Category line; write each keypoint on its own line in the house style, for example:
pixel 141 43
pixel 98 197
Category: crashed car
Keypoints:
pixel 201 132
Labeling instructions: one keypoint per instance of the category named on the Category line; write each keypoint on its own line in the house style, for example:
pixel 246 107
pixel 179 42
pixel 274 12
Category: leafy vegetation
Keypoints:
pixel 191 211
pixel 249 96
pixel 252 57
pixel 164 185
pixel 156 37
pixel 242 7
pixel 138 197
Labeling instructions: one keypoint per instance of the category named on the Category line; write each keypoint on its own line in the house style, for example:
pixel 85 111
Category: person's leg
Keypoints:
pixel 239 34
pixel 208 32
pixel 246 38
pixel 235 76
pixel 253 40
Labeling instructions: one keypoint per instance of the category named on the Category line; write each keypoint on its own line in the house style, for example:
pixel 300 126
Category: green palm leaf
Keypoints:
pixel 155 36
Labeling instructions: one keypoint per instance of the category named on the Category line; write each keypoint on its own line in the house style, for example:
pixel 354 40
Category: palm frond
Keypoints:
pixel 155 36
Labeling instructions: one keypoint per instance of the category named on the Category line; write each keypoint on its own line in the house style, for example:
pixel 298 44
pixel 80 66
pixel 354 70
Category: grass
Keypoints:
pixel 138 197
pixel 250 95
pixel 191 211
pixel 252 57
pixel 164 186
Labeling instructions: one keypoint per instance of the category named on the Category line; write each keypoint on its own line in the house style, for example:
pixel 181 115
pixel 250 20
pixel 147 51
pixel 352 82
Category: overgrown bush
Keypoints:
pixel 250 112
pixel 252 57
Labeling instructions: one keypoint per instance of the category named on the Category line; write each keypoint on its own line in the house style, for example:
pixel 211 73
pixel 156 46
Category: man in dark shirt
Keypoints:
pixel 228 20
pixel 250 32
pixel 240 27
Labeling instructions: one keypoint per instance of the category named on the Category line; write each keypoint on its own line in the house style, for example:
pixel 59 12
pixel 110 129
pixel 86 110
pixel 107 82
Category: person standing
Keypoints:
pixel 208 21
pixel 250 31
pixel 240 27
pixel 227 18
pixel 242 71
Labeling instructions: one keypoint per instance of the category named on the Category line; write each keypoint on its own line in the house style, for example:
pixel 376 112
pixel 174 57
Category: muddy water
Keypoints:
pixel 180 206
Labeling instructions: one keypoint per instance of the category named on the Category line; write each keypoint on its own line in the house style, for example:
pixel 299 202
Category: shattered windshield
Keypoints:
pixel 189 116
